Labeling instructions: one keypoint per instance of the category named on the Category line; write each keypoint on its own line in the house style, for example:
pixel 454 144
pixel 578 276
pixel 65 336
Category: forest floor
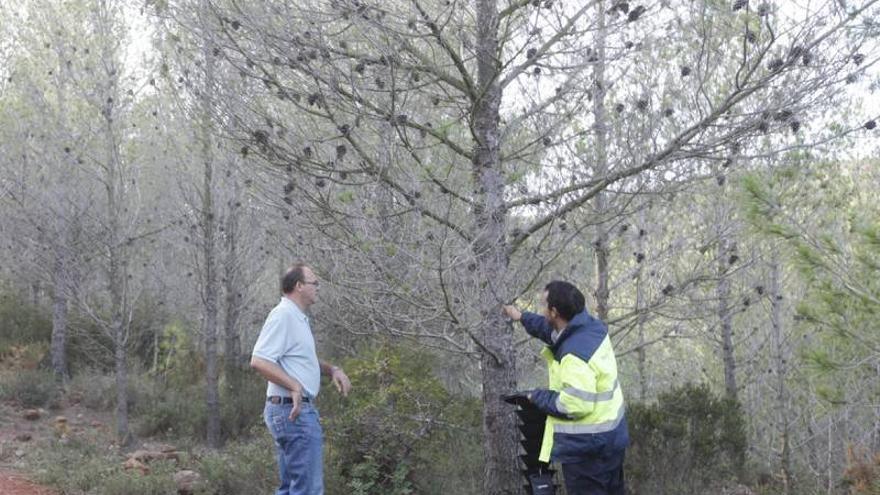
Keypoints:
pixel 24 433
pixel 15 484
pixel 13 450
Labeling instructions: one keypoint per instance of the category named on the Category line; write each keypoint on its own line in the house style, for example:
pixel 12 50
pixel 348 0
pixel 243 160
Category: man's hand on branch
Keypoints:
pixel 511 312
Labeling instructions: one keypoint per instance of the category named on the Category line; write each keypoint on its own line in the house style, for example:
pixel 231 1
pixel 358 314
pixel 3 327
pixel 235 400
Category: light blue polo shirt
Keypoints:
pixel 286 339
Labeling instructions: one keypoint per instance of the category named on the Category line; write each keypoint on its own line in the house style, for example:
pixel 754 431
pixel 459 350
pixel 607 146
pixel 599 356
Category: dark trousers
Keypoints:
pixel 582 478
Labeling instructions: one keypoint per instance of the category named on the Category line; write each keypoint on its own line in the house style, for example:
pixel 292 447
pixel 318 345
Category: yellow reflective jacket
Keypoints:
pixel 584 402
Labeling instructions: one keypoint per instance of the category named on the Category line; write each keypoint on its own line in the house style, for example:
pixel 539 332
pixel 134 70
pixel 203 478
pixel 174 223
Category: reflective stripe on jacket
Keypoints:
pixel 584 403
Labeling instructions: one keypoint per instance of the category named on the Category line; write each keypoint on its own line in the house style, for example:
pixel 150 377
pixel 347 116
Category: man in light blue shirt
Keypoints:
pixel 285 355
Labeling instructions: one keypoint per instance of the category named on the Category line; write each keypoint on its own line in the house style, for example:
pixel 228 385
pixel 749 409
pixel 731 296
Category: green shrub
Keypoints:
pixel 31 388
pixel 687 443
pixel 160 481
pixel 93 389
pixel 27 356
pixel 167 411
pixel 76 466
pixel 394 432
pixel 172 396
pixel 173 406
pixel 89 343
pixel 456 462
pixel 177 356
pixel 367 477
pixel 242 398
pixel 241 467
pixel 81 467
pixel 21 322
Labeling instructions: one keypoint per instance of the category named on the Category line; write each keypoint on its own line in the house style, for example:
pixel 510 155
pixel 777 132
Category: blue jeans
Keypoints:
pixel 298 445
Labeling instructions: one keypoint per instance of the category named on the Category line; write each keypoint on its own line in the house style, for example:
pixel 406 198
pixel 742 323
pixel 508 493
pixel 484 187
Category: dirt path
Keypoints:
pixel 21 440
pixel 13 484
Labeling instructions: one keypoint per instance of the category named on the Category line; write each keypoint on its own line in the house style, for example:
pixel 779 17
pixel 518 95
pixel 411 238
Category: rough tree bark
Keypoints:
pixel 210 286
pixel 726 249
pixel 490 250
pixel 58 348
pixel 776 299
pixel 233 290
pixel 641 354
pixel 108 100
pixel 117 273
pixel 600 203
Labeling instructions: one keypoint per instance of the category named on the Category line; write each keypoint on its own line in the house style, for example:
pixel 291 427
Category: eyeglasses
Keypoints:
pixel 313 282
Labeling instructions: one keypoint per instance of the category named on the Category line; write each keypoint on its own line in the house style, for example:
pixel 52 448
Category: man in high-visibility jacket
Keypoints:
pixel 586 428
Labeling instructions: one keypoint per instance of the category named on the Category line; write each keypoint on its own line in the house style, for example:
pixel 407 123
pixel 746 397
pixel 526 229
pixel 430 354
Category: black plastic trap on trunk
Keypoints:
pixel 531 421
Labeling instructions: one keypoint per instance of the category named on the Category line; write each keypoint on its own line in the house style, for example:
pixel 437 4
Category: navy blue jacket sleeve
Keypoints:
pixel 537 326
pixel 546 401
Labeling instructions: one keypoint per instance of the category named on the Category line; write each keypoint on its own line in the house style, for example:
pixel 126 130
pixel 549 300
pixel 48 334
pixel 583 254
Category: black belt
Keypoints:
pixel 277 399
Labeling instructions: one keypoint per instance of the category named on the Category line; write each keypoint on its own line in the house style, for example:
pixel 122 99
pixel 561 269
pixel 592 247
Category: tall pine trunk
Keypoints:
pixel 117 283
pixel 117 251
pixel 725 320
pixel 490 250
pixel 726 250
pixel 61 269
pixel 210 287
pixel 233 291
pixel 60 294
pixel 776 299
pixel 642 353
pixel 600 126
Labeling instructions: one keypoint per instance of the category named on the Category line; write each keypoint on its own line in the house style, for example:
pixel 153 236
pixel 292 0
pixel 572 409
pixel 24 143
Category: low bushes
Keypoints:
pixel 31 388
pixel 81 467
pixel 400 431
pixel 689 442
pixel 169 406
pixel 862 474
pixel 243 466
pixel 21 323
pixel 94 389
